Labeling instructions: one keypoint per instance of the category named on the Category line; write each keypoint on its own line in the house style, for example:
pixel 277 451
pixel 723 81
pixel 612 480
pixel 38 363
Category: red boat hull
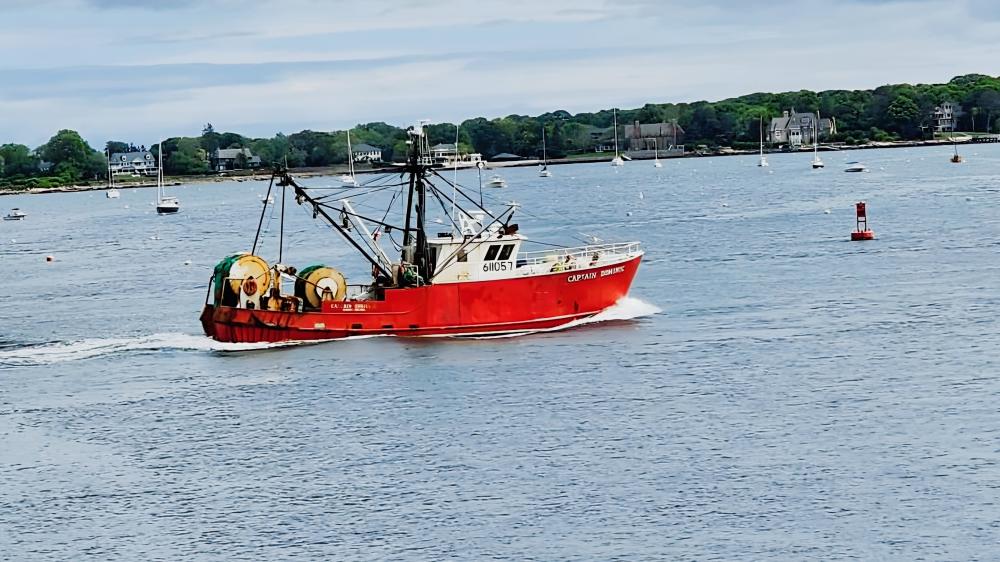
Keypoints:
pixel 483 307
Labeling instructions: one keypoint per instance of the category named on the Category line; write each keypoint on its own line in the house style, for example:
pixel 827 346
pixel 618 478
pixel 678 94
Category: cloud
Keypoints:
pixel 137 70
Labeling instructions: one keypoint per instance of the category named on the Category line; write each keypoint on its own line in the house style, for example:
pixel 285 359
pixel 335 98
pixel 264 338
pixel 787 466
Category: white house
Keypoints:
pixel 943 119
pixel 133 163
pixel 367 153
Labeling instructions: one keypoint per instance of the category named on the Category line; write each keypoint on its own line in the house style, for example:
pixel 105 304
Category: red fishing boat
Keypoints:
pixel 472 280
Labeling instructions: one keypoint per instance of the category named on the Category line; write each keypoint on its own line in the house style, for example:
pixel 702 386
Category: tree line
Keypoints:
pixel 891 112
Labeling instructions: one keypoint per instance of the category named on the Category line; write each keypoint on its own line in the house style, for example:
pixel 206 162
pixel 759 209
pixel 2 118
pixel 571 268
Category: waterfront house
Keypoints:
pixel 795 129
pixel 137 163
pixel 234 159
pixel 447 155
pixel 366 153
pixel 640 137
pixel 443 151
pixel 944 117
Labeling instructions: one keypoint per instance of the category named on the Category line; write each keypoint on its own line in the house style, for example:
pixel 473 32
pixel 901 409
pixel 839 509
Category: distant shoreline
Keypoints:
pixel 240 176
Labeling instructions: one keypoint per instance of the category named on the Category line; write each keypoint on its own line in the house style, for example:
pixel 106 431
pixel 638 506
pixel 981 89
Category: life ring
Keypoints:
pixel 249 286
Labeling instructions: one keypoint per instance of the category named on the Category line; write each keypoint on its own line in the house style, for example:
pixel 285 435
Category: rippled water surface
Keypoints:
pixel 797 396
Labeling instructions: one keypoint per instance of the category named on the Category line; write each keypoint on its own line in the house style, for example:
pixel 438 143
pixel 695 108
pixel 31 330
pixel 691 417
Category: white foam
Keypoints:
pixel 627 308
pixel 60 352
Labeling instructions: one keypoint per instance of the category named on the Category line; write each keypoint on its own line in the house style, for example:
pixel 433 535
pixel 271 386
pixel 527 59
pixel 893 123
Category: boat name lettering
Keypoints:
pixel 497 266
pixel 358 307
pixel 593 274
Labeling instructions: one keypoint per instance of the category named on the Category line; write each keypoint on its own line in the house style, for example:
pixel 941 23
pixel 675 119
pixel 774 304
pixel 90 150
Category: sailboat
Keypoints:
pixel 816 162
pixel 544 172
pixel 111 193
pixel 349 179
pixel 473 280
pixel 656 155
pixel 955 158
pixel 617 160
pixel 165 205
pixel 763 159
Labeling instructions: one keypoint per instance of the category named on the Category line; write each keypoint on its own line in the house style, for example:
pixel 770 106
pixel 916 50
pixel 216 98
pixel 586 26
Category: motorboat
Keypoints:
pixel 15 214
pixel 497 181
pixel 855 167
pixel 473 280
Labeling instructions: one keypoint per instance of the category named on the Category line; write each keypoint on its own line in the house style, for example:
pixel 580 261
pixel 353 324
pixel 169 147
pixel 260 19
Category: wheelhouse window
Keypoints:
pixel 491 253
pixel 463 256
pixel 505 253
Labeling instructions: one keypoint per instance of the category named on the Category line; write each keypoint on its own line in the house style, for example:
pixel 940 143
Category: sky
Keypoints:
pixel 136 70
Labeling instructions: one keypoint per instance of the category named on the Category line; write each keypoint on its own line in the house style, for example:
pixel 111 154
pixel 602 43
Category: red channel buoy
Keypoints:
pixel 862 232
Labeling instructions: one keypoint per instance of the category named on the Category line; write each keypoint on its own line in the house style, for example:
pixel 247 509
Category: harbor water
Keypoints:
pixel 770 390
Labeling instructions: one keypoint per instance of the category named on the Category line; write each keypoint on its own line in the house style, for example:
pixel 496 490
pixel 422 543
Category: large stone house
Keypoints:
pixel 795 129
pixel 234 159
pixel 651 136
pixel 638 139
pixel 141 163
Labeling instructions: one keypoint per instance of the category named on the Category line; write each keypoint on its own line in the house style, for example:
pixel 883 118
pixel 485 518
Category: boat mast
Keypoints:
pixel 816 137
pixel 760 128
pixel 159 174
pixel 615 115
pixel 416 207
pixel 545 158
pixel 350 154
pixel 954 144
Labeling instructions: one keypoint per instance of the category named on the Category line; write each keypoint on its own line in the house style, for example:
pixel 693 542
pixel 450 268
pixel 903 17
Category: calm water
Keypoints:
pixel 798 397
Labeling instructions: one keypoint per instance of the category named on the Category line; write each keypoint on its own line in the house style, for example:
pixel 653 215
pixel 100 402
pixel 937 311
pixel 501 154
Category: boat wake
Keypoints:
pixel 61 352
pixel 627 308
pixel 13 355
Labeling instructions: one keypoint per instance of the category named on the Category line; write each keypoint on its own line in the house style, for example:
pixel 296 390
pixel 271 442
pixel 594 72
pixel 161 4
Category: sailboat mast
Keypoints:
pixel 760 128
pixel 159 173
pixel 350 154
pixel 615 115
pixel 816 137
pixel 545 158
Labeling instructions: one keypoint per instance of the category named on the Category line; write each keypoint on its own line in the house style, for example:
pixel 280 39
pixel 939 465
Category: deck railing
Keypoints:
pixel 581 254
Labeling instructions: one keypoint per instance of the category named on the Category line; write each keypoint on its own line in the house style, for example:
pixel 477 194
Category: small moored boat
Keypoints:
pixel 855 167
